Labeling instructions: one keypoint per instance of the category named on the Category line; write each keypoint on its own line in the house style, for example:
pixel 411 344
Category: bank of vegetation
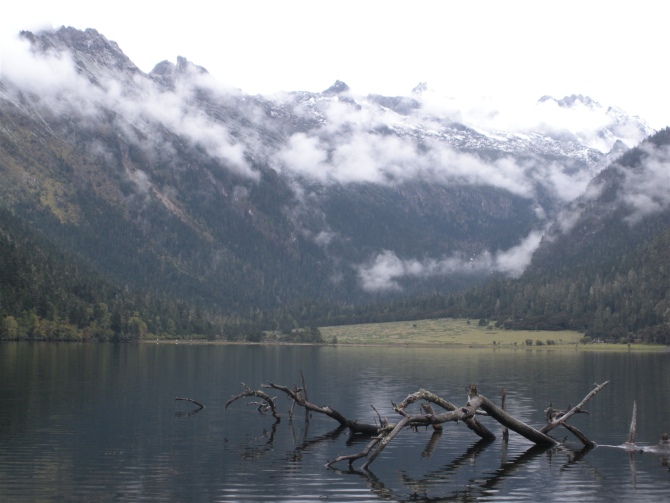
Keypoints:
pixel 47 295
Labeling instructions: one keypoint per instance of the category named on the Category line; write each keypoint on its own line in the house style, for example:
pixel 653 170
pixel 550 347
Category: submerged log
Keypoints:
pixel 201 406
pixel 526 431
pixel 503 406
pixel 416 420
pixel 383 433
pixel 663 446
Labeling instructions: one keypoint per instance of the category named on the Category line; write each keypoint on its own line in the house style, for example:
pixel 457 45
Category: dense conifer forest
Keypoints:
pixel 44 295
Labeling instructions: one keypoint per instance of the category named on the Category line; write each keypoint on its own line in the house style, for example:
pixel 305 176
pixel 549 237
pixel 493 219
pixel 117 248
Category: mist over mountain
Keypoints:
pixel 604 267
pixel 173 182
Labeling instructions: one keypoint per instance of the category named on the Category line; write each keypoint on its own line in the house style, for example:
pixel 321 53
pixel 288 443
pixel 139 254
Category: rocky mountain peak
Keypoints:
pixel 167 73
pixel 420 88
pixel 87 42
pixel 338 87
pixel 618 148
pixel 91 52
pixel 399 104
pixel 572 100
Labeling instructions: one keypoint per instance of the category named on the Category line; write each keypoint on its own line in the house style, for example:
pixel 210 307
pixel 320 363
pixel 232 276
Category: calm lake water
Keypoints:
pixel 99 423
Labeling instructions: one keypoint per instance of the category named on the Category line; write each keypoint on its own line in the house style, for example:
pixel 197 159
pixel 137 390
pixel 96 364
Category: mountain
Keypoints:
pixel 603 268
pixel 611 123
pixel 606 262
pixel 172 183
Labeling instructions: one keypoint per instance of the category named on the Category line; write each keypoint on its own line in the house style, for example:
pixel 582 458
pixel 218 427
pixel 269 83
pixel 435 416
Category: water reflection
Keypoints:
pixel 99 423
pixel 459 479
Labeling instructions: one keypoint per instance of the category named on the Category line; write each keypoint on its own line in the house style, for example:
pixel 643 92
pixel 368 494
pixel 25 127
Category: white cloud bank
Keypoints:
pixel 53 77
pixel 359 144
pixel 594 125
pixel 361 156
pixel 646 188
pixel 386 271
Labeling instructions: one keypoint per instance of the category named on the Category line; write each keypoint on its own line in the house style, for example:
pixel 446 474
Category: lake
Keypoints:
pixel 96 423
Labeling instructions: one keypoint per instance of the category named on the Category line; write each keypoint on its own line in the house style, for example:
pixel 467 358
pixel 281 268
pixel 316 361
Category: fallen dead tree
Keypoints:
pixel 382 432
pixel 299 397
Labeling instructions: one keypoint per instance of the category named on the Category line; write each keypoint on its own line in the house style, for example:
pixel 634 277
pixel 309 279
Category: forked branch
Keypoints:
pixel 248 392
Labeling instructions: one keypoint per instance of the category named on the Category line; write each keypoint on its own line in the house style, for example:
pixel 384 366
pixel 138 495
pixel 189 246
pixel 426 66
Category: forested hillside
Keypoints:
pixel 45 295
pixel 604 270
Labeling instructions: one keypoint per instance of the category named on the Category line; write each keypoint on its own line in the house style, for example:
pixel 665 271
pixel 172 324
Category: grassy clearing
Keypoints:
pixel 457 332
pixel 442 331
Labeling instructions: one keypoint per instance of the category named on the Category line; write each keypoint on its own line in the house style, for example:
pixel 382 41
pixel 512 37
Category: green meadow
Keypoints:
pixel 459 332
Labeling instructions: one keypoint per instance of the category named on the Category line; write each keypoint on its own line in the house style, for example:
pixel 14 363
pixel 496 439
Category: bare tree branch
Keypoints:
pixel 354 426
pixel 192 401
pixel 633 425
pixel 574 410
pixel 248 392
pixel 471 422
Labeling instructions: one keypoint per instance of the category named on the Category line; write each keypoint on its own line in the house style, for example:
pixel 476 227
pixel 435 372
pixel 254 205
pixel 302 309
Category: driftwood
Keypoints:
pixel 633 425
pixel 299 397
pixel 503 404
pixel 560 417
pixel 268 402
pixel 431 398
pixel 200 406
pixel 508 421
pixel 662 447
pixel 383 432
pixel 190 413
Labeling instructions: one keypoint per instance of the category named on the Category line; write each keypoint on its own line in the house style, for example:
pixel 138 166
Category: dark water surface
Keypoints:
pixel 99 423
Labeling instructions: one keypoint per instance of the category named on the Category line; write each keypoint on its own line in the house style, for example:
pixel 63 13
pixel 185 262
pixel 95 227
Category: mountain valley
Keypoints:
pixel 172 186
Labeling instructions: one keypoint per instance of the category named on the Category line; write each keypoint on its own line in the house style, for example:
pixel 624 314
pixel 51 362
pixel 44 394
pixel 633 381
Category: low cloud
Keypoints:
pixel 141 180
pixel 358 154
pixel 362 144
pixel 586 121
pixel 36 72
pixel 513 262
pixel 646 188
pixel 139 102
pixel 386 270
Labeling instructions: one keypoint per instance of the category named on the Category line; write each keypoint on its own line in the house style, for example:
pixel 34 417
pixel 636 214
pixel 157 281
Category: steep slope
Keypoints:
pixel 46 295
pixel 625 205
pixel 605 268
pixel 139 199
pixel 172 183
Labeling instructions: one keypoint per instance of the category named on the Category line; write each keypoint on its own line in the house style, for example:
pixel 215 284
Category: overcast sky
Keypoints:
pixel 614 51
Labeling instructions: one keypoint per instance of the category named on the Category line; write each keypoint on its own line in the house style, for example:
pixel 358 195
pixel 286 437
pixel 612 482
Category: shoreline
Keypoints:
pixel 609 347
